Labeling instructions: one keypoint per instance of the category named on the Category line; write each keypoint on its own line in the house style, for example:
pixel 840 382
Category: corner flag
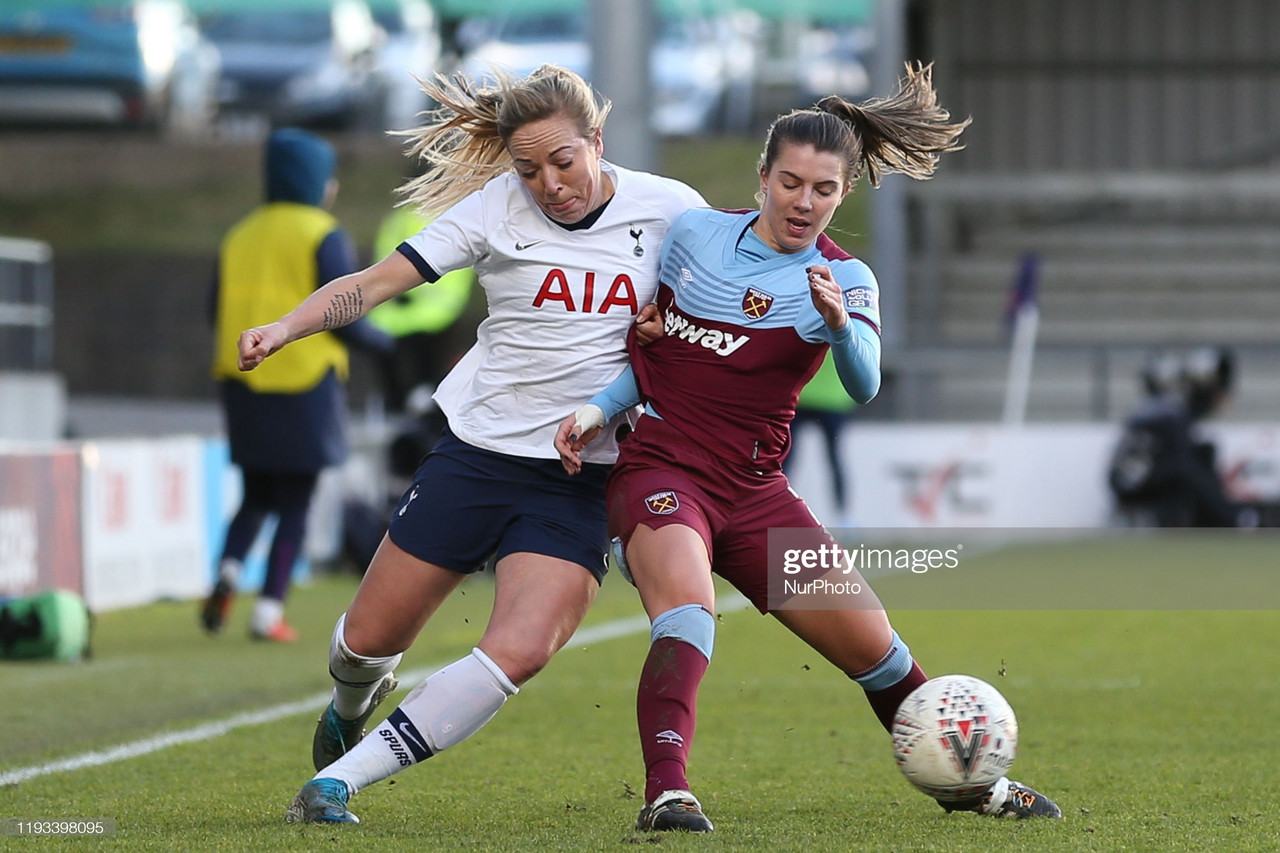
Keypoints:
pixel 1022 318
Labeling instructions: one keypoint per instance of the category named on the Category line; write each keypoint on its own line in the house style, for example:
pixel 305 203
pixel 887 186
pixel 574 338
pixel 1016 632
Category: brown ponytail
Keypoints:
pixel 905 132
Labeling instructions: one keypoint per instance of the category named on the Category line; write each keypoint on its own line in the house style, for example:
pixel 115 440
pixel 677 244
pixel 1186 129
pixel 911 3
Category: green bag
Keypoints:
pixel 47 626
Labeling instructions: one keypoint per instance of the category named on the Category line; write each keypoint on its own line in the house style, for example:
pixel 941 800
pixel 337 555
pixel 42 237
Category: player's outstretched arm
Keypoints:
pixel 343 300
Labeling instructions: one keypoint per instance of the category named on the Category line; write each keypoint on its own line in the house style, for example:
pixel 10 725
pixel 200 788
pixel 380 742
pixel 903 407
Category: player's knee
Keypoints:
pixel 375 637
pixel 352 667
pixel 518 661
pixel 690 623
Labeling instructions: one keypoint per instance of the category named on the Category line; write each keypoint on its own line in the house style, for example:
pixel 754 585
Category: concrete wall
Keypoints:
pixel 33 406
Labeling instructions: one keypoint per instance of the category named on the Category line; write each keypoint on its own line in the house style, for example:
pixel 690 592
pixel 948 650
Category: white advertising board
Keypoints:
pixel 976 475
pixel 145 535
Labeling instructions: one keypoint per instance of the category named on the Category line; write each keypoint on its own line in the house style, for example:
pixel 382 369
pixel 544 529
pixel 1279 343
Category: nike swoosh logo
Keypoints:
pixel 404 730
pixel 520 247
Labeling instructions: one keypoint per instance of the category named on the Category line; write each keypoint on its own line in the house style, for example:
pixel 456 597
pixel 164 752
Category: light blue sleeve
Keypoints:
pixel 855 349
pixel 623 393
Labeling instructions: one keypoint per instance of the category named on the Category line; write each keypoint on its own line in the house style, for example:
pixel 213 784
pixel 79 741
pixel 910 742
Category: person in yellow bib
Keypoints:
pixel 419 319
pixel 287 423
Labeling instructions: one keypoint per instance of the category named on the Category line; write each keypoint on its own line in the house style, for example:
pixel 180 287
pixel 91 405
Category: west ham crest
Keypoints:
pixel 756 303
pixel 662 503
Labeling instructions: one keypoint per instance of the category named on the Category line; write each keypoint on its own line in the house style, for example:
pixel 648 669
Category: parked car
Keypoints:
pixel 308 66
pixel 411 51
pixel 139 63
pixel 519 42
pixel 698 61
pixel 831 60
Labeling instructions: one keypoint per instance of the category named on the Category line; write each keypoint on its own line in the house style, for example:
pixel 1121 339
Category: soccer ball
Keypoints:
pixel 954 736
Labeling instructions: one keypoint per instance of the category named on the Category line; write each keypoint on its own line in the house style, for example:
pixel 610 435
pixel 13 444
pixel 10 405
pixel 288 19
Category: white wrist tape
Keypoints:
pixel 587 418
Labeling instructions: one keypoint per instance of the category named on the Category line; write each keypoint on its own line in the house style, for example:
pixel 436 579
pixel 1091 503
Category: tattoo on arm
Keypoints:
pixel 344 308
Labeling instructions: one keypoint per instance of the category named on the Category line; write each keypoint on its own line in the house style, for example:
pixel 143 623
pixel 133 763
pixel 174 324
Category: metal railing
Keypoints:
pixel 1217 219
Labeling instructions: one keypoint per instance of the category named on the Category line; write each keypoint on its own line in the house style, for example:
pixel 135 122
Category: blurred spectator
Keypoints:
pixel 1163 472
pixel 287 423
pixel 824 403
pixel 419 321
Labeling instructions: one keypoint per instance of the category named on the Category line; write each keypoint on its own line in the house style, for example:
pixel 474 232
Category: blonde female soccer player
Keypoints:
pixel 565 246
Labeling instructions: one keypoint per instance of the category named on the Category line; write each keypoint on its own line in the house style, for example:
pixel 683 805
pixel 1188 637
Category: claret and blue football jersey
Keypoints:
pixel 742 335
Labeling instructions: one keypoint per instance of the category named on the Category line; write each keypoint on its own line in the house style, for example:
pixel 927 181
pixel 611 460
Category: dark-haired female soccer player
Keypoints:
pixel 752 301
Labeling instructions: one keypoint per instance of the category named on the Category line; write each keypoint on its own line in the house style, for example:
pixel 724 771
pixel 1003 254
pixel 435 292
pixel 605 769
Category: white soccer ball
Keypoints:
pixel 954 736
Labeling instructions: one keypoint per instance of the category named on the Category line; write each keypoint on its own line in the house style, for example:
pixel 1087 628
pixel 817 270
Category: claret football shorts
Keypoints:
pixel 662 478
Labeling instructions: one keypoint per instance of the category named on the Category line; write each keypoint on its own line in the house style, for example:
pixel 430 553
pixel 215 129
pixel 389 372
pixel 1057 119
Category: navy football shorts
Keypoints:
pixel 467 504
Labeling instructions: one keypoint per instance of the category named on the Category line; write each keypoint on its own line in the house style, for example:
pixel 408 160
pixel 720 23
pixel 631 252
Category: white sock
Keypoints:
pixel 355 677
pixel 230 570
pixel 996 796
pixel 267 612
pixel 446 709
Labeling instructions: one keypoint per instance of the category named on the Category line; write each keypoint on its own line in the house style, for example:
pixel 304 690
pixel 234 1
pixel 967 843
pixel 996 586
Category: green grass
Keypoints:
pixel 1151 728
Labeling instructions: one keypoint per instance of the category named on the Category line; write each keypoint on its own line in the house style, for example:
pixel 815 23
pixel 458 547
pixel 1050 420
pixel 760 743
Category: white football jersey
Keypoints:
pixel 560 304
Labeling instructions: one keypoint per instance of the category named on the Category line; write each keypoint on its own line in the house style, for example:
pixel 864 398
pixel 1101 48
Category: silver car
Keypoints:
pixel 306 66
pixel 698 78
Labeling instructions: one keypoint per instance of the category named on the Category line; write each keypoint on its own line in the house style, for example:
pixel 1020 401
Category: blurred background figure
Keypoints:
pixel 1164 471
pixel 825 404
pixel 418 320
pixel 429 338
pixel 287 423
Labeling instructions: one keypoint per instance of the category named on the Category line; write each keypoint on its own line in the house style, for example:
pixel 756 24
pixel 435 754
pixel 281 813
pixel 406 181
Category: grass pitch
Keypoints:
pixel 1151 728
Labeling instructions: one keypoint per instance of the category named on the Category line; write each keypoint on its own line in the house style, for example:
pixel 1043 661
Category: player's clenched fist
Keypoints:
pixel 649 325
pixel 826 296
pixel 259 342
